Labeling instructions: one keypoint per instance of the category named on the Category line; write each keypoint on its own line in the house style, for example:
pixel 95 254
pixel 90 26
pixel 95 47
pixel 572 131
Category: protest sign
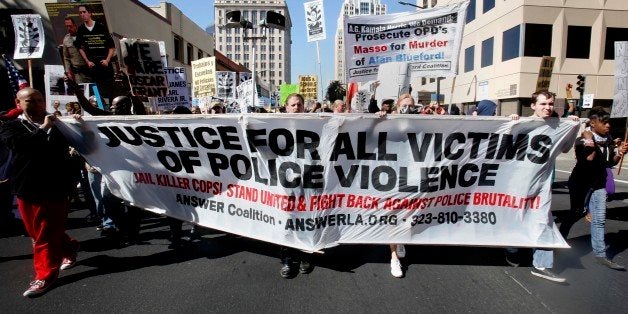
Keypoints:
pixel 310 182
pixel 244 76
pixel 58 12
pixel 620 99
pixel 58 94
pixel 285 90
pixel 545 73
pixel 315 20
pixel 308 86
pixel 142 61
pixel 29 36
pixel 226 84
pixel 427 40
pixel 246 95
pixel 204 80
pixel 178 92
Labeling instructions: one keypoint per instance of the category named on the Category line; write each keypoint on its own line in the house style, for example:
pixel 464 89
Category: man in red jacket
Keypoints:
pixel 41 179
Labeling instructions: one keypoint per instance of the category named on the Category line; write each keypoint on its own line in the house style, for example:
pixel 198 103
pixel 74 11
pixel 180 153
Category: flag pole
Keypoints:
pixel 30 73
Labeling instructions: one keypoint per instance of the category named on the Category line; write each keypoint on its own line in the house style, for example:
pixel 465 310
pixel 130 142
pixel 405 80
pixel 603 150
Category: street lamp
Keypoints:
pixel 272 20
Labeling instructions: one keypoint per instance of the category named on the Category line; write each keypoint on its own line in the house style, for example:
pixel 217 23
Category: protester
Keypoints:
pixel 289 256
pixel 595 155
pixel 405 104
pixel 42 191
pixel 542 103
pixel 74 64
pixel 339 106
pixel 485 108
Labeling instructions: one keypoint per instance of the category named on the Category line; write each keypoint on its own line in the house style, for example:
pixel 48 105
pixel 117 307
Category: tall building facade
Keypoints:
pixel 272 53
pixel 504 42
pixel 351 8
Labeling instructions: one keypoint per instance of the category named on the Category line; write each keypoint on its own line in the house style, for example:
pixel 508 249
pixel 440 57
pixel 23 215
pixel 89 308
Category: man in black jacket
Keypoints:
pixel 42 180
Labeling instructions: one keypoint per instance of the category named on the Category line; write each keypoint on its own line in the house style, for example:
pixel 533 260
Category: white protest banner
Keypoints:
pixel 225 84
pixel 245 93
pixel 29 36
pixel 620 99
pixel 315 20
pixel 308 86
pixel 427 40
pixel 142 61
pixel 204 80
pixel 178 92
pixel 58 95
pixel 310 182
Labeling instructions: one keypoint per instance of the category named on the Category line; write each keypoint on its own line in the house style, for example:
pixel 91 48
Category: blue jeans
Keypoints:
pixel 597 208
pixel 99 189
pixel 541 258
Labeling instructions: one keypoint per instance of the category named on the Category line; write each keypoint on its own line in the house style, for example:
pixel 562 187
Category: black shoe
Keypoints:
pixel 286 270
pixel 512 259
pixel 608 263
pixel 108 232
pixel 547 274
pixel 305 267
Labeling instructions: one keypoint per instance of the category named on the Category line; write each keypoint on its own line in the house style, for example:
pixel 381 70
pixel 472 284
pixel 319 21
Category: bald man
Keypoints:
pixel 41 180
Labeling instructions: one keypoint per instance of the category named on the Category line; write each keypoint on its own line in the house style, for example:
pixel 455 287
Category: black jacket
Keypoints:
pixel 42 167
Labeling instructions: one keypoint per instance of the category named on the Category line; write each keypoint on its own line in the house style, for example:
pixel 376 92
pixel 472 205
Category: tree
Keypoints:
pixel 335 91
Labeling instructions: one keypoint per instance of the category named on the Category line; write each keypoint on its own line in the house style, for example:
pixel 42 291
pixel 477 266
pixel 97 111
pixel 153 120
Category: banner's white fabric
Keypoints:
pixel 29 36
pixel 313 181
pixel 427 40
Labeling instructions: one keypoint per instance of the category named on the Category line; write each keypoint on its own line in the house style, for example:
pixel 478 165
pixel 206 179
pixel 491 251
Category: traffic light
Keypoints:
pixel 580 83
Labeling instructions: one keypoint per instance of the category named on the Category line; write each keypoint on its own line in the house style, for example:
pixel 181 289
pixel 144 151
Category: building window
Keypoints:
pixel 613 34
pixel 470 12
pixel 263 56
pixel 199 54
pixel 538 40
pixel 190 53
pixel 432 80
pixel 511 43
pixel 469 55
pixel 487 5
pixel 487 52
pixel 423 81
pixel 578 42
pixel 237 56
pixel 178 48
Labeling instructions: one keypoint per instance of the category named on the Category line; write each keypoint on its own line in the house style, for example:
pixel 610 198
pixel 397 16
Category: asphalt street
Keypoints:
pixel 225 273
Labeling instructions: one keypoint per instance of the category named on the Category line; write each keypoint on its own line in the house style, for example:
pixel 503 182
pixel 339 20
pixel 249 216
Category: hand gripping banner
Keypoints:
pixel 314 181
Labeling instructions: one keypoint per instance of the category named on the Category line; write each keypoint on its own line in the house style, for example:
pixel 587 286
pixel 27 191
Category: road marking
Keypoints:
pixel 616 180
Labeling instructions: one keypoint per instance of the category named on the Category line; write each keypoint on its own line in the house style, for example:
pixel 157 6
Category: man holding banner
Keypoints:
pixel 543 260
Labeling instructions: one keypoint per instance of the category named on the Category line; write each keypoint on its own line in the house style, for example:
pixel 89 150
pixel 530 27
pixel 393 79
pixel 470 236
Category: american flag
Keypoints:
pixel 16 80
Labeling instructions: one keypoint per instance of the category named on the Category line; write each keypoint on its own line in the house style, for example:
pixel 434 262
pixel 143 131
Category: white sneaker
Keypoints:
pixel 401 251
pixel 395 268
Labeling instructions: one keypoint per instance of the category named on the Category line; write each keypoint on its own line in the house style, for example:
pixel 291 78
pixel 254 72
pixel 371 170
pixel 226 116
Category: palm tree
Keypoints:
pixel 335 91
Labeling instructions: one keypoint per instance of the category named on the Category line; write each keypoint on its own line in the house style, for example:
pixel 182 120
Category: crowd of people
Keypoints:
pixel 33 141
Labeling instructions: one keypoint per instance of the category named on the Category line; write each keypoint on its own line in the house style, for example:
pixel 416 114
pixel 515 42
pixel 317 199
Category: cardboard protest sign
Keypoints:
pixel 545 73
pixel 226 84
pixel 178 91
pixel 246 95
pixel 310 182
pixel 204 80
pixel 142 61
pixel 315 20
pixel 427 40
pixel 29 36
pixel 620 99
pixel 58 94
pixel 308 86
